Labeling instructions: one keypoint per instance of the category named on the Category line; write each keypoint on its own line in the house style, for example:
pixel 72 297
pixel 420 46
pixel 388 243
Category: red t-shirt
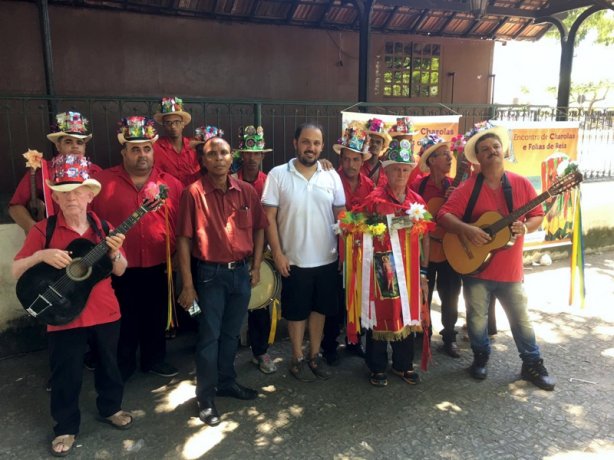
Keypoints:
pixel 145 243
pixel 22 193
pixel 430 189
pixel 258 184
pixel 183 165
pixel 221 225
pixel 382 180
pixel 505 264
pixel 102 306
pixel 356 197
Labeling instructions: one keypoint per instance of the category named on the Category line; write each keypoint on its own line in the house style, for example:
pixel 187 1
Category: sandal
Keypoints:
pixel 116 419
pixel 378 379
pixel 65 440
pixel 409 376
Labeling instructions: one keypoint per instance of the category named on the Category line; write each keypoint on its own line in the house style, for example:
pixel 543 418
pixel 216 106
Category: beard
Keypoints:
pixel 306 161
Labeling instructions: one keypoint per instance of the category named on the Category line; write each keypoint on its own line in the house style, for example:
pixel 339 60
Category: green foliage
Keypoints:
pixel 587 94
pixel 602 22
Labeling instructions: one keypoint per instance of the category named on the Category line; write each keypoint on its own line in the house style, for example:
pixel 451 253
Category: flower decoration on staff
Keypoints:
pixel 34 159
pixel 357 223
pixel 155 190
pixel 567 167
pixel 458 144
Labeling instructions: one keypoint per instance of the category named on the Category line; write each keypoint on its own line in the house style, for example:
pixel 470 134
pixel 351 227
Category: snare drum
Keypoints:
pixel 268 289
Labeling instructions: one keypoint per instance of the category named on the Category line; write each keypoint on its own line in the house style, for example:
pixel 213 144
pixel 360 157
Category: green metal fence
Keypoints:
pixel 24 123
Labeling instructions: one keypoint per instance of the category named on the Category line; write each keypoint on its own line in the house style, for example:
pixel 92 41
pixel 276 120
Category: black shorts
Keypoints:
pixel 309 289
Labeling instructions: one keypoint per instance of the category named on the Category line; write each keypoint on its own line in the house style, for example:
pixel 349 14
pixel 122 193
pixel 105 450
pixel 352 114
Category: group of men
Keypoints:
pixel 214 225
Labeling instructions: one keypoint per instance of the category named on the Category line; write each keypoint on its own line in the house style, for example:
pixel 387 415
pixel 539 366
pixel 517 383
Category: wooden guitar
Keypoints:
pixel 466 258
pixel 58 296
pixel 436 253
pixel 35 206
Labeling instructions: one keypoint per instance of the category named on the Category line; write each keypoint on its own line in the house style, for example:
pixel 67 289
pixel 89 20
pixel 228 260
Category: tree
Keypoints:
pixel 602 22
pixel 587 94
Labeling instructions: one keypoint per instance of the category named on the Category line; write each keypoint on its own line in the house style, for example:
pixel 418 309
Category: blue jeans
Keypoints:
pixel 513 299
pixel 223 295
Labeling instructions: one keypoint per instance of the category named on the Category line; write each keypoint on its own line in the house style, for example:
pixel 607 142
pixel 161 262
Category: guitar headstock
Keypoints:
pixel 154 203
pixel 566 182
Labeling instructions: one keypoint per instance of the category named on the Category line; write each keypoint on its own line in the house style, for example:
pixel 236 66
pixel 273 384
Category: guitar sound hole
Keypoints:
pixel 78 271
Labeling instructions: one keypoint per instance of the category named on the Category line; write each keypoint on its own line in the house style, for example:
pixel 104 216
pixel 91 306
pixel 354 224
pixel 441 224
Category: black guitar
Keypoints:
pixel 58 296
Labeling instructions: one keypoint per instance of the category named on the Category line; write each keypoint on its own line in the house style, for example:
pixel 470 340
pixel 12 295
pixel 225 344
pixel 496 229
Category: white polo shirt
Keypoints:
pixel 305 213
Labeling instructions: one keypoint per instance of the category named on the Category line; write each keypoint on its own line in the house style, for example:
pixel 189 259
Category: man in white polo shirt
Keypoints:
pixel 302 202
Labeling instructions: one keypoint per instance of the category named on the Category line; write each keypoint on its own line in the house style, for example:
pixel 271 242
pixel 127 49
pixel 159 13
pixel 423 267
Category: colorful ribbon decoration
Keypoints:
pixel 577 256
pixel 172 321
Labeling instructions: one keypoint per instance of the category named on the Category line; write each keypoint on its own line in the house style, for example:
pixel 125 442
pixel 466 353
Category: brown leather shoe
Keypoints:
pixel 451 349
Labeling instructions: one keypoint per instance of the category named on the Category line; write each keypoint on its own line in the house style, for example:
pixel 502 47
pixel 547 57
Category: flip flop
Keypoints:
pixel 110 420
pixel 66 441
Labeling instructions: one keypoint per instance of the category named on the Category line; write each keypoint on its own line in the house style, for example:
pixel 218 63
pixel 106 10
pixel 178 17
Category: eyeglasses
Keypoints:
pixel 173 123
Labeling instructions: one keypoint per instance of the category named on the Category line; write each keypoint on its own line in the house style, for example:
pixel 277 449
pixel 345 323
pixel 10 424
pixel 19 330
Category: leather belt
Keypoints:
pixel 227 265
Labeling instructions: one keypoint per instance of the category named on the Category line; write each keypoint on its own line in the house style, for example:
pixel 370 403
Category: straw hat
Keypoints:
pixel 429 144
pixel 69 172
pixel 354 140
pixel 479 131
pixel 71 124
pixel 136 129
pixel 172 106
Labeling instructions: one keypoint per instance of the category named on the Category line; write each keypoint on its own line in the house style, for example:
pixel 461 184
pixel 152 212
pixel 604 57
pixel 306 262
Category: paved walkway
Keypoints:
pixel 448 416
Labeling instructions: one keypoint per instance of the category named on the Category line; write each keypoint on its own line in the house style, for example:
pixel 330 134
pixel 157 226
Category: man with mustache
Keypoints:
pixel 302 202
pixel 379 140
pixel 495 189
pixel 436 161
pixel 143 290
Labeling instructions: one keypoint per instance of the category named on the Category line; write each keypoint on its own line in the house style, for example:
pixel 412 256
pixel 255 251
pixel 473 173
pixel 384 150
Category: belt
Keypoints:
pixel 227 265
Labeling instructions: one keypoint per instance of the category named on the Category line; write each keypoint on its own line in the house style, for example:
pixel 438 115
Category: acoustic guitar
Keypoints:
pixel 58 296
pixel 436 253
pixel 467 258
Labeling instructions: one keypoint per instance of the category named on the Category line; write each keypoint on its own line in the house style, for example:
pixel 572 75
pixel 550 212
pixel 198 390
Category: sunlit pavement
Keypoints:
pixel 448 416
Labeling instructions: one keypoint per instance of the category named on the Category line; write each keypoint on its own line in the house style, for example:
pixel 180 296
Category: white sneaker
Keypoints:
pixel 265 363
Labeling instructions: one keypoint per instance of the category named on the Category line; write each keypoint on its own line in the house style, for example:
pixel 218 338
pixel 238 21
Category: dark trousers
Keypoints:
pixel 66 349
pixel 259 328
pixel 143 299
pixel 448 283
pixel 223 295
pixel 333 323
pixel 376 353
pixel 492 319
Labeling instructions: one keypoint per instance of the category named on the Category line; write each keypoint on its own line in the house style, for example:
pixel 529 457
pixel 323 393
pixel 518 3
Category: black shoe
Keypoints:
pixel 451 349
pixel 238 391
pixel 355 349
pixel 163 370
pixel 478 367
pixel 537 374
pixel 208 413
pixel 48 386
pixel 331 358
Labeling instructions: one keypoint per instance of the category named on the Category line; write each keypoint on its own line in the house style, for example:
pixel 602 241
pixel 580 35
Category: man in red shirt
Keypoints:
pixel 221 224
pixel 502 192
pixel 143 291
pixel 353 152
pixel 379 140
pixel 173 153
pixel 69 135
pixel 251 150
pixel 73 190
pixel 434 188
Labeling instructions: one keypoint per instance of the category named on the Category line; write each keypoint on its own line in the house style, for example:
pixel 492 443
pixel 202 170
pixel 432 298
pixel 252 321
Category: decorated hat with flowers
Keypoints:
pixel 478 132
pixel 375 127
pixel 251 139
pixel 71 124
pixel 400 151
pixel 203 133
pixel 69 172
pixel 403 128
pixel 354 139
pixel 428 145
pixel 136 129
pixel 172 106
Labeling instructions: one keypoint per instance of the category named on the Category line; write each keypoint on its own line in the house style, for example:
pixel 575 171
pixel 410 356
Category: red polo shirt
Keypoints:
pixel 220 224
pixel 382 180
pixel 183 165
pixel 102 306
pixel 258 184
pixel 146 241
pixel 356 197
pixel 22 193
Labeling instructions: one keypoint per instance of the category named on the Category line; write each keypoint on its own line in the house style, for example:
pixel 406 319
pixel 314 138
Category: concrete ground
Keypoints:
pixel 447 416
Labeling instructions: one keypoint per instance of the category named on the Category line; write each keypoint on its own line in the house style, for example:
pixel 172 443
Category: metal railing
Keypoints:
pixel 25 121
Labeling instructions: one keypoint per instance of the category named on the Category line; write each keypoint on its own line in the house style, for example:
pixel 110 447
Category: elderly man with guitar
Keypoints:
pixel 494 189
pixel 434 188
pixel 71 291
